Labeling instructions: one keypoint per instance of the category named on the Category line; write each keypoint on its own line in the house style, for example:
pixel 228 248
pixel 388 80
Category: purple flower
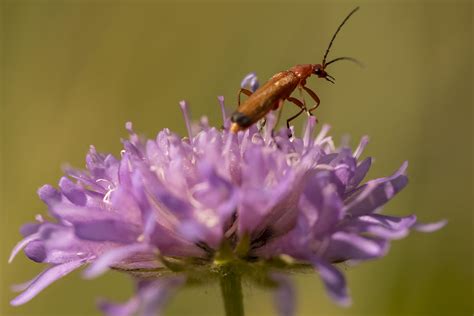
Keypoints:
pixel 174 210
pixel 250 81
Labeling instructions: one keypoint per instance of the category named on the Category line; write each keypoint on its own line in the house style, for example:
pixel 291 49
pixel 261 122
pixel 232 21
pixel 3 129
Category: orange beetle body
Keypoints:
pixel 279 88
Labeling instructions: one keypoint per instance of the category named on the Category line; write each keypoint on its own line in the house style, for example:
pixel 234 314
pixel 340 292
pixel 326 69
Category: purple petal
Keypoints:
pixel 376 193
pixel 185 109
pixel 322 134
pixel 430 227
pixel 284 296
pixel 36 251
pixel 141 261
pixel 123 201
pixel 360 172
pixel 77 214
pixel 150 299
pixel 154 155
pixel 329 213
pixel 99 225
pixel 170 243
pixel 250 81
pixel 29 228
pixel 82 177
pixel 308 131
pixel 112 257
pixel 108 230
pixel 49 195
pixel 225 121
pixel 377 230
pixel 327 159
pixel 271 121
pixel 20 245
pixel 155 295
pixel 344 166
pixel 392 222
pixel 47 277
pixel 386 227
pixel 126 309
pixel 269 193
pixel 166 199
pixel 333 280
pixel 215 192
pixel 73 192
pixel 344 246
pixel 20 287
pixel 360 148
pixel 124 173
pixel 259 210
pixel 58 244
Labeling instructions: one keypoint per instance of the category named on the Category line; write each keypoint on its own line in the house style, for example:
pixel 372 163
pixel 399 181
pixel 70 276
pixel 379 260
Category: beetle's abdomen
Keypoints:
pixel 241 119
pixel 262 101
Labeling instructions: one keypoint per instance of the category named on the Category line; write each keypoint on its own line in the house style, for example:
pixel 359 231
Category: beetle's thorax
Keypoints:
pixel 302 71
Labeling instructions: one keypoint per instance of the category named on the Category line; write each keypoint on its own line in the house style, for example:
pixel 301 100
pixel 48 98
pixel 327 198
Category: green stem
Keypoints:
pixel 231 288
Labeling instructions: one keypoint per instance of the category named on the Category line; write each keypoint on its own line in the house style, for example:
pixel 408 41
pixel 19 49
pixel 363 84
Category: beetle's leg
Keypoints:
pixel 291 119
pixel 299 104
pixel 279 107
pixel 244 91
pixel 315 98
pixel 300 89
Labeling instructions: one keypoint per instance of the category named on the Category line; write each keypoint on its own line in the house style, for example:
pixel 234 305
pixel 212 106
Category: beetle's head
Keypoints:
pixel 319 71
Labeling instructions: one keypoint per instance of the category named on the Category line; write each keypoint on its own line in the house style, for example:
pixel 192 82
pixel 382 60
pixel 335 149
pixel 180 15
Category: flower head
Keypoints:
pixel 175 210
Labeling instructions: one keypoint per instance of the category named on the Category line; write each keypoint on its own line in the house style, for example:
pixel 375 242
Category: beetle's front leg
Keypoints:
pixel 314 96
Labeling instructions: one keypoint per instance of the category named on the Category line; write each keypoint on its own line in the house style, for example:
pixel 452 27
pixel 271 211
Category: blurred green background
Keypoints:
pixel 73 72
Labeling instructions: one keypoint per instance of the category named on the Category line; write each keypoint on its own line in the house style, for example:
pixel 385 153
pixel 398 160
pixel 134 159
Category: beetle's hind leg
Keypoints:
pixel 244 91
pixel 299 104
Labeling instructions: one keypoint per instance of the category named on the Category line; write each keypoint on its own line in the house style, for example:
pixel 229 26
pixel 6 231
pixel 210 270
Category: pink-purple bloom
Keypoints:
pixel 174 210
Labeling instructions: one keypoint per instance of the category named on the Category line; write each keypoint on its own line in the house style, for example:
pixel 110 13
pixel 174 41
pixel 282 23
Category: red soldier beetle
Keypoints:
pixel 279 88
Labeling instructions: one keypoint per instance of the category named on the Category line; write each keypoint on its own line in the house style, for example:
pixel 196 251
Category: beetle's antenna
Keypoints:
pixel 337 31
pixel 355 61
